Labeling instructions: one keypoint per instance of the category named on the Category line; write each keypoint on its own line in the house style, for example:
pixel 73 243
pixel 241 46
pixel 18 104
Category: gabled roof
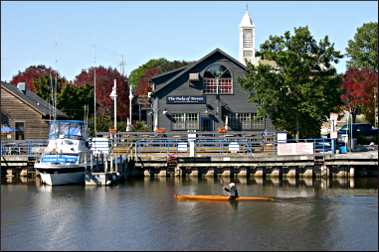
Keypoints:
pixel 157 79
pixel 33 100
pixel 188 68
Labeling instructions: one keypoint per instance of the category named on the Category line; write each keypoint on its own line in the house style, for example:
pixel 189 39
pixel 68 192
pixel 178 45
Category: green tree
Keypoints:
pixel 162 64
pixel 72 100
pixel 295 84
pixel 43 87
pixel 363 49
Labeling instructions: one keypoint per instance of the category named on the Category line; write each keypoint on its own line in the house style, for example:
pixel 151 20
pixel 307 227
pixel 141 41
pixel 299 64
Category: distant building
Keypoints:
pixel 25 112
pixel 205 96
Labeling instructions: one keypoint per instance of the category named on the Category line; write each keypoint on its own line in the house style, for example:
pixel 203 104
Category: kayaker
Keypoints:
pixel 231 191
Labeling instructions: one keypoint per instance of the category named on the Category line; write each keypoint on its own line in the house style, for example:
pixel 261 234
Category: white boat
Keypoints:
pixel 67 155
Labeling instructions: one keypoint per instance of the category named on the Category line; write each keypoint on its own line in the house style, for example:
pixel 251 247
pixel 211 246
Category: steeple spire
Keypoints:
pixel 247 38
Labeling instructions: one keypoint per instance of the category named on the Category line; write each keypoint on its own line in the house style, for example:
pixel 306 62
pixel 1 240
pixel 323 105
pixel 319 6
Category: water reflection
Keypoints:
pixel 351 183
pixel 24 180
pixel 291 181
pixel 322 183
pixel 308 181
pixel 141 214
pixel 342 182
pixel 9 179
pixel 259 180
pixel 275 180
pixel 242 180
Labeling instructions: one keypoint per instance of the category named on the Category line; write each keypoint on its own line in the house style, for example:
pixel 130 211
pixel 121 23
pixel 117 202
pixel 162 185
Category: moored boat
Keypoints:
pixel 67 156
pixel 183 197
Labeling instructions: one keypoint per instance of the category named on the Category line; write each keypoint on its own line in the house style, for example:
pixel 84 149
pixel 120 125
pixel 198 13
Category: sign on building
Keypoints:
pixel 186 99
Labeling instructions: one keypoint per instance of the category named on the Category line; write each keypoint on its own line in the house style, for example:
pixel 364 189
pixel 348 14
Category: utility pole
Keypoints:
pixel 376 106
pixel 122 65
pixel 94 95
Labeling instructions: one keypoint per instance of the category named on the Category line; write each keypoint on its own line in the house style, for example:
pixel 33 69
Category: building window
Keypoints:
pixel 179 122
pixel 218 80
pixel 248 54
pixel 246 121
pixel 20 128
pixel 247 38
pixel 258 122
pixel 210 86
pixel 185 121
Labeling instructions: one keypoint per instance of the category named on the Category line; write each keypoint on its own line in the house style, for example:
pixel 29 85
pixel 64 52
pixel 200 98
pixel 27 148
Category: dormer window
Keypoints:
pixel 218 80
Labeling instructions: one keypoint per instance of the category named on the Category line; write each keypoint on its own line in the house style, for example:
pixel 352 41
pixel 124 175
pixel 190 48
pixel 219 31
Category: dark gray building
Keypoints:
pixel 204 96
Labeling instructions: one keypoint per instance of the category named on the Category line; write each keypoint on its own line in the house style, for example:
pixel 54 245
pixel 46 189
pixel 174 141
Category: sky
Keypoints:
pixel 71 36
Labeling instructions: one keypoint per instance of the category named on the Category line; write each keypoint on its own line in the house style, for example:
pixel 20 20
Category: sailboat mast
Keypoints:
pixel 55 96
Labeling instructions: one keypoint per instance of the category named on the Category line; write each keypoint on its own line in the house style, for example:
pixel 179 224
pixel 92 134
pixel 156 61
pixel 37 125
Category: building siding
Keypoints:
pixel 35 127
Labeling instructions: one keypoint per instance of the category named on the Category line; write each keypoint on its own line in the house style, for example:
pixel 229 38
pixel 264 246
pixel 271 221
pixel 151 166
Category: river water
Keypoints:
pixel 142 214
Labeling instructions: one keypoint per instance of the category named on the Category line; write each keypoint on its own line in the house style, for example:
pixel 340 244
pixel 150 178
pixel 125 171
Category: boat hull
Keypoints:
pixel 56 174
pixel 189 197
pixel 62 178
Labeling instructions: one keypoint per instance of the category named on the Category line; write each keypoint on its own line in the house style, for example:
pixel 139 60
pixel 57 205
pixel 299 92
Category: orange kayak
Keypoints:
pixel 221 198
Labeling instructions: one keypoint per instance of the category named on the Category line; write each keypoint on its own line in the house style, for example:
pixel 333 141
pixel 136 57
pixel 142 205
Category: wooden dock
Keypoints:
pixel 217 156
pixel 339 165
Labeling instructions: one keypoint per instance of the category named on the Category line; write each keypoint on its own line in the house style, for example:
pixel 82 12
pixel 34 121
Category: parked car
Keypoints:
pixel 363 132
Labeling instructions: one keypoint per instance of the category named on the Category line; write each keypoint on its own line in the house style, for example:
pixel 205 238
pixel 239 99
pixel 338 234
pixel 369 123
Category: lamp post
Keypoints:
pixel 155 114
pixel 113 95
pixel 227 122
pixel 129 122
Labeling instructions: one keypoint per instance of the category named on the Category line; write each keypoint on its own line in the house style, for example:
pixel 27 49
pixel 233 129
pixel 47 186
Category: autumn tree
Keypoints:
pixel 143 86
pixel 104 83
pixel 359 87
pixel 295 83
pixel 38 77
pixel 362 51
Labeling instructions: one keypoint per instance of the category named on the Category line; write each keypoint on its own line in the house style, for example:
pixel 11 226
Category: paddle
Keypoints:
pixel 223 183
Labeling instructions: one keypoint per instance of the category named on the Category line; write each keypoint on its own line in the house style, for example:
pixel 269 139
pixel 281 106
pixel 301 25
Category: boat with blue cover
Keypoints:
pixel 67 155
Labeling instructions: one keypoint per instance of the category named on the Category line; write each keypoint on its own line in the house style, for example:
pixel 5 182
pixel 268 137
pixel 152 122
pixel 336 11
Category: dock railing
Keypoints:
pixel 32 148
pixel 205 143
pixel 224 146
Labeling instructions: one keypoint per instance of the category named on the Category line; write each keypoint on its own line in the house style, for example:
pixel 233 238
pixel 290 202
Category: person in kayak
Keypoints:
pixel 231 191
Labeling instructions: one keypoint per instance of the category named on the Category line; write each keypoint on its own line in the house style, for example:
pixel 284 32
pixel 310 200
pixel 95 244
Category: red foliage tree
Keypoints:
pixel 143 86
pixel 358 88
pixel 33 73
pixel 104 83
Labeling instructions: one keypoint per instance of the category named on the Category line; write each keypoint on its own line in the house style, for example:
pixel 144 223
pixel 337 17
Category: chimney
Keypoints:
pixel 22 87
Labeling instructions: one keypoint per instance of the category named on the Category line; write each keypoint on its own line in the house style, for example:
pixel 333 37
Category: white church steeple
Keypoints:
pixel 247 39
